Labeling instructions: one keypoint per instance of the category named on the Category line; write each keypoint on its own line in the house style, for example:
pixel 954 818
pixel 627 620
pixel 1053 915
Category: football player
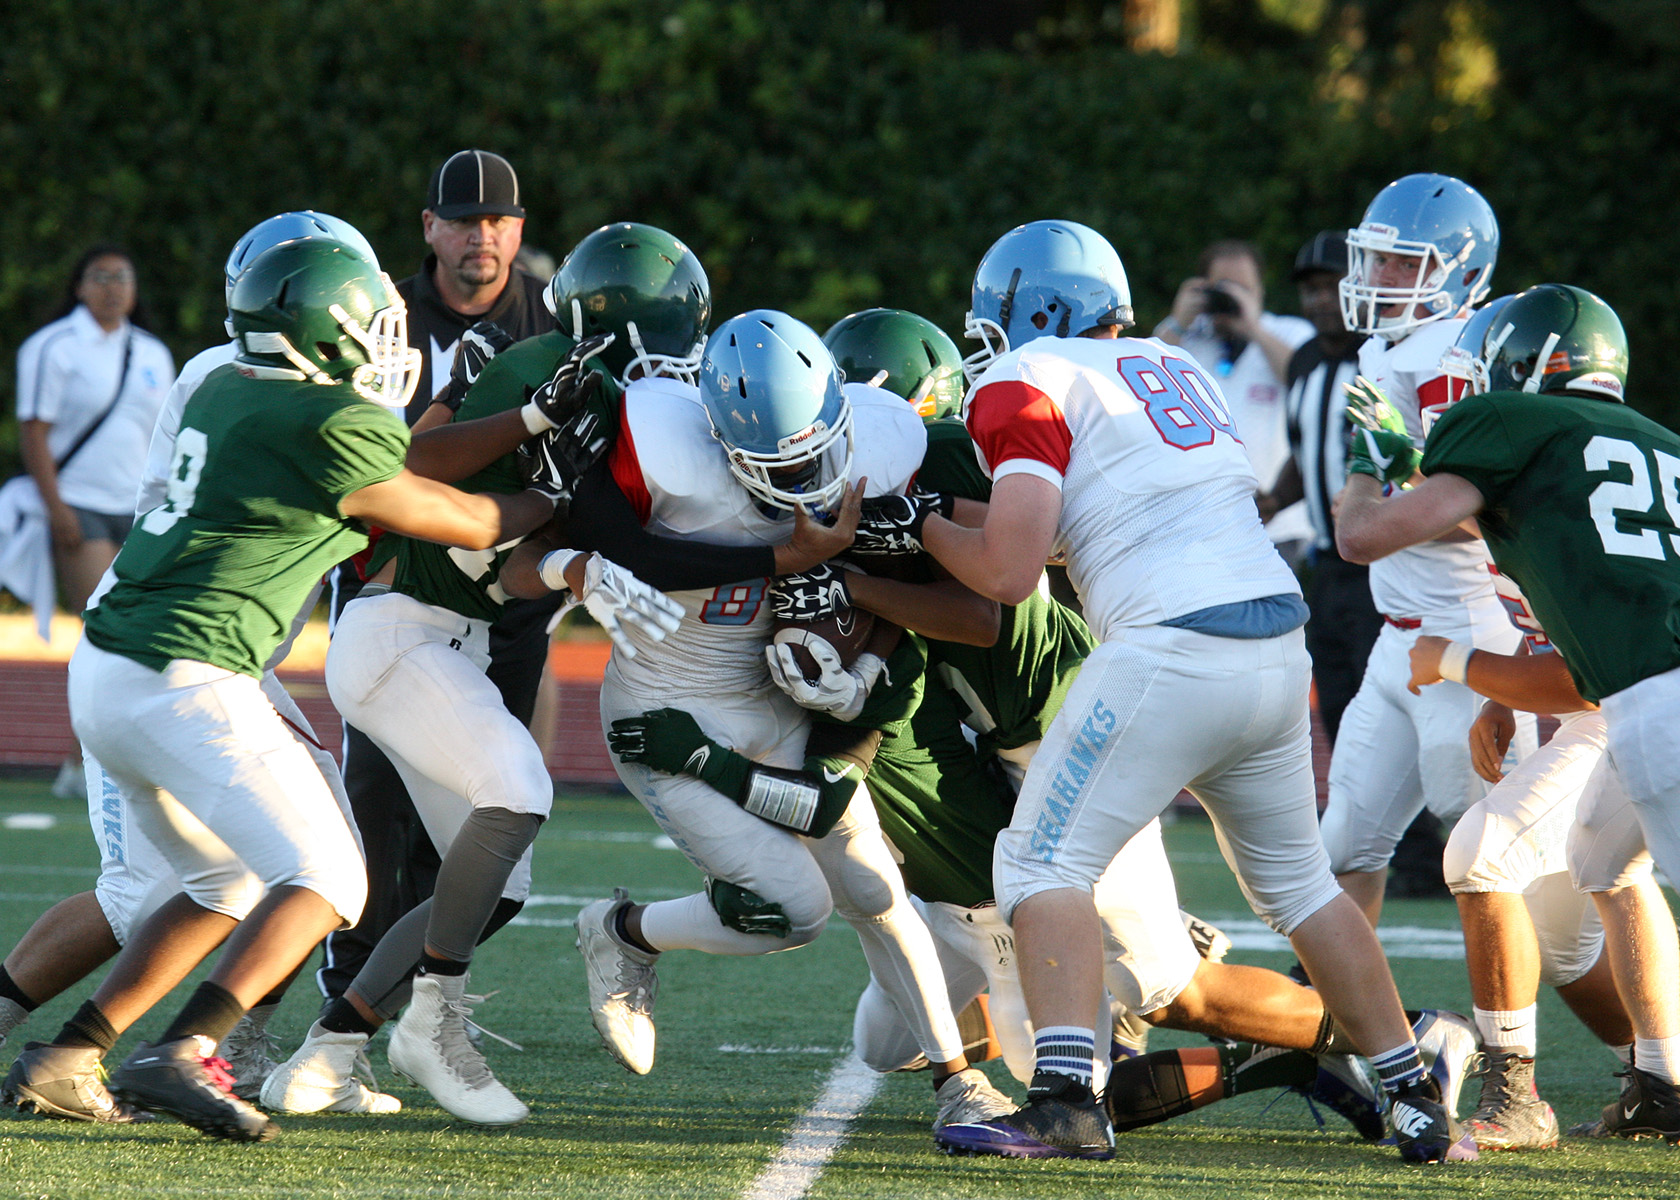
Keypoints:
pixel 1557 475
pixel 279 460
pixel 60 1078
pixel 1421 258
pixel 1120 454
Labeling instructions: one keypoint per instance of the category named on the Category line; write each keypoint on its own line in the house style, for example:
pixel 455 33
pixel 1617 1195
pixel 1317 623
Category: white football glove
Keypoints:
pixel 616 598
pixel 838 691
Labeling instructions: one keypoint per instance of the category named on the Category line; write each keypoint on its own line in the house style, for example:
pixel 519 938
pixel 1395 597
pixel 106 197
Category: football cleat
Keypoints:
pixel 968 1097
pixel 185 1079
pixel 1210 940
pixel 1061 1119
pixel 63 1081
pixel 622 985
pixel 1130 1037
pixel 1449 1046
pixel 1511 1115
pixel 323 1076
pixel 429 1047
pixel 1344 1086
pixel 1425 1130
pixel 1647 1107
pixel 251 1053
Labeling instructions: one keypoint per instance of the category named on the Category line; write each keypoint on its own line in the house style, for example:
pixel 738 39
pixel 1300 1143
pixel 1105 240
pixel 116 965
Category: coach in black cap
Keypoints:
pixel 473 221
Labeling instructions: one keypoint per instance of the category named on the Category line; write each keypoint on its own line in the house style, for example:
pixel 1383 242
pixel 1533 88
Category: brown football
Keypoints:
pixel 847 632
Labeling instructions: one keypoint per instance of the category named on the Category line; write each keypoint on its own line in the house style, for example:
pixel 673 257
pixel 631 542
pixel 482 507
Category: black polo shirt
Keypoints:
pixel 434 327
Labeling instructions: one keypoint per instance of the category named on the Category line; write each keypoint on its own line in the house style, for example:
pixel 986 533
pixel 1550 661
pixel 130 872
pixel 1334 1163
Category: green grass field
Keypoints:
pixel 745 1046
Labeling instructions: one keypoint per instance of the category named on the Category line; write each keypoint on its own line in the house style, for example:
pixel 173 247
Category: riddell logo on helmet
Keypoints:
pixel 1604 381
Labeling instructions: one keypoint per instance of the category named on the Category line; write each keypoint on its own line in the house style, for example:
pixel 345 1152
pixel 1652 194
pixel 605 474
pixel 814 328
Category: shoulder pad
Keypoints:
pixel 888 439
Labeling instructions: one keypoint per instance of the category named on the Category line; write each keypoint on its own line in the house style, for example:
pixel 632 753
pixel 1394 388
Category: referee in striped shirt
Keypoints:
pixel 1344 622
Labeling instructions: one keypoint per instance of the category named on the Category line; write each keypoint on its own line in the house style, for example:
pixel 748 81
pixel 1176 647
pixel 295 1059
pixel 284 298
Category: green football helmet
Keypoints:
pixel 642 285
pixel 1556 338
pixel 908 355
pixel 320 310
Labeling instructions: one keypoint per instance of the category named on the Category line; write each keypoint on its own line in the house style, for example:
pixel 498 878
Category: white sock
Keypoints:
pixel 1658 1056
pixel 1625 1053
pixel 1065 1050
pixel 1515 1029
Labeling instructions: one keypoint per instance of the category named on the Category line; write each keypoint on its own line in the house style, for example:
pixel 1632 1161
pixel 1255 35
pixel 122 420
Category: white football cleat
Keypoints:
pixel 429 1046
pixel 967 1097
pixel 1450 1049
pixel 251 1052
pixel 622 985
pixel 321 1077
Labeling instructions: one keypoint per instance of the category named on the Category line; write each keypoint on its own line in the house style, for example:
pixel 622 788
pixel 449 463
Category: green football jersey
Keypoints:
pixel 950 465
pixel 1582 511
pixel 466 581
pixel 940 802
pixel 249 523
pixel 1013 689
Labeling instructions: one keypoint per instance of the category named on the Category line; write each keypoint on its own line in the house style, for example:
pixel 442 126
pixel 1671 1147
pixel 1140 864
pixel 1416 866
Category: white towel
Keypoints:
pixel 26 563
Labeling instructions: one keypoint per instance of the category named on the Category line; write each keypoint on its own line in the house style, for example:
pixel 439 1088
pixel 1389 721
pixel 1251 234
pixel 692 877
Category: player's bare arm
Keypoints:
pixel 1528 682
pixel 1004 557
pixel 946 610
pixel 1370 526
pixel 435 512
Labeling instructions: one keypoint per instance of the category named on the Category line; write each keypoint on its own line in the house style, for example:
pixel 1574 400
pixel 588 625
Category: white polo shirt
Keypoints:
pixel 1256 398
pixel 67 374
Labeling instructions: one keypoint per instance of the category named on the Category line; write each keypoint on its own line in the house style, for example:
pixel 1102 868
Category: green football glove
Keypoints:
pixel 666 739
pixel 1380 446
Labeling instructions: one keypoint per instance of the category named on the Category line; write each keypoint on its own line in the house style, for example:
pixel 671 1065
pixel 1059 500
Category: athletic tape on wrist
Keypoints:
pixel 553 566
pixel 1455 661
pixel 535 422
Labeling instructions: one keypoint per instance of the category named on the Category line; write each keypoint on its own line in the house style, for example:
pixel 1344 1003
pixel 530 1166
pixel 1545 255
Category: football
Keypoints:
pixel 847 632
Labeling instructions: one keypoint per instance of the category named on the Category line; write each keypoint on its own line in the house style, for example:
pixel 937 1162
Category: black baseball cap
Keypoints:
pixel 474 183
pixel 1326 251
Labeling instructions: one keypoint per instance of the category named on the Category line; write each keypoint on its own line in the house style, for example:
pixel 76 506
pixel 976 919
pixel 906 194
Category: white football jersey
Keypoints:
pixel 161 455
pixel 1434 577
pixel 676 475
pixel 1158 516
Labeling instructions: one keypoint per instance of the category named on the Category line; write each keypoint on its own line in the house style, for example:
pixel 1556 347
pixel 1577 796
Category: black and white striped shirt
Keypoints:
pixel 1318 429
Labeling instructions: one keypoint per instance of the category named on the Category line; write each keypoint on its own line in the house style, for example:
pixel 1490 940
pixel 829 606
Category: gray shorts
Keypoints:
pixel 103 527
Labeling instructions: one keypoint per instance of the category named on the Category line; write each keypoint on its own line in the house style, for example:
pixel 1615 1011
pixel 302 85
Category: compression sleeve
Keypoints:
pixel 604 519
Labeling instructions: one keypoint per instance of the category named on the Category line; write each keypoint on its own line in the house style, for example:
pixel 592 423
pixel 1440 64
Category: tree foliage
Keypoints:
pixel 825 155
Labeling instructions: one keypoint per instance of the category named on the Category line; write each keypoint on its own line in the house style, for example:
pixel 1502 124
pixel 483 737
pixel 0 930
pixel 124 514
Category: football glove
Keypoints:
pixel 543 468
pixel 1380 446
pixel 666 739
pixel 616 599
pixel 568 389
pixel 839 691
pixel 891 526
pixel 745 910
pixel 812 595
pixel 477 346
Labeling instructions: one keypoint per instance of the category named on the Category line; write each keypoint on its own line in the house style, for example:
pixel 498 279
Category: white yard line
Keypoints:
pixel 817 1134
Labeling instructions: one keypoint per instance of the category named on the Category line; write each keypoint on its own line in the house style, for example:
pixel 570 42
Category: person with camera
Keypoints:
pixel 1219 318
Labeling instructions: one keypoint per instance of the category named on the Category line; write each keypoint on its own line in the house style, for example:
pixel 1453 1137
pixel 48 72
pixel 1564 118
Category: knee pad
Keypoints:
pixel 1567 927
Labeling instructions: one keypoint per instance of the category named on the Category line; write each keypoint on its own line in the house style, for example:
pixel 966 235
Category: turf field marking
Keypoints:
pixel 28 820
pixel 1398 941
pixel 37 869
pixel 817 1134
pixel 736 1048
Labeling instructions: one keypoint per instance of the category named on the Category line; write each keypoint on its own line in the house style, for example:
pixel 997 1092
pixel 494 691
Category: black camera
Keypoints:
pixel 1217 302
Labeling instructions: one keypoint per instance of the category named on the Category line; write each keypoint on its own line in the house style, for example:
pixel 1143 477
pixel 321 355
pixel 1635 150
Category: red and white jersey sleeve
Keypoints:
pixel 1158 515
pixel 1447 580
pixel 1521 614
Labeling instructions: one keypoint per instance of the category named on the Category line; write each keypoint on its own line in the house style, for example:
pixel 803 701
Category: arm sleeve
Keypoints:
pixel 604 519
pixel 835 764
pixel 1013 422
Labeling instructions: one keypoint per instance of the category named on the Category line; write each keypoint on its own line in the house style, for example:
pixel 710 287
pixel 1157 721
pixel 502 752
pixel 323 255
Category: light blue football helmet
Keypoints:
pixel 774 397
pixel 1463 359
pixel 1043 279
pixel 1445 225
pixel 288 227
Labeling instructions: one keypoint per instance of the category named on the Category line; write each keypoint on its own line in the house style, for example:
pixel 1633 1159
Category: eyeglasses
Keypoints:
pixel 109 277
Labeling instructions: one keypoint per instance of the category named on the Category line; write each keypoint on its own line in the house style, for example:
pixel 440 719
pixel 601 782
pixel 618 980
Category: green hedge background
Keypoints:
pixel 826 155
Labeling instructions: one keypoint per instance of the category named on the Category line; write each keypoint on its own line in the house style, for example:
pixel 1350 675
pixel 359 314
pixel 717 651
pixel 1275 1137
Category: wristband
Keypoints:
pixel 535 422
pixel 553 566
pixel 781 799
pixel 1455 661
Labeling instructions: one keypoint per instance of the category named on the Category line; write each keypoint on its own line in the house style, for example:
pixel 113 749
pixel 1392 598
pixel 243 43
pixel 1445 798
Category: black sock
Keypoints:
pixel 441 966
pixel 621 930
pixel 1327 1042
pixel 87 1028
pixel 211 1011
pixel 340 1016
pixel 274 997
pixel 9 990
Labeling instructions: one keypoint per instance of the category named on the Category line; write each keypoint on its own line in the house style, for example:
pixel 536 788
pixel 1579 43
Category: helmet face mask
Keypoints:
pixel 1449 234
pixel 773 395
pixel 642 285
pixel 320 310
pixel 1555 338
pixel 906 354
pixel 1463 359
pixel 1043 279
